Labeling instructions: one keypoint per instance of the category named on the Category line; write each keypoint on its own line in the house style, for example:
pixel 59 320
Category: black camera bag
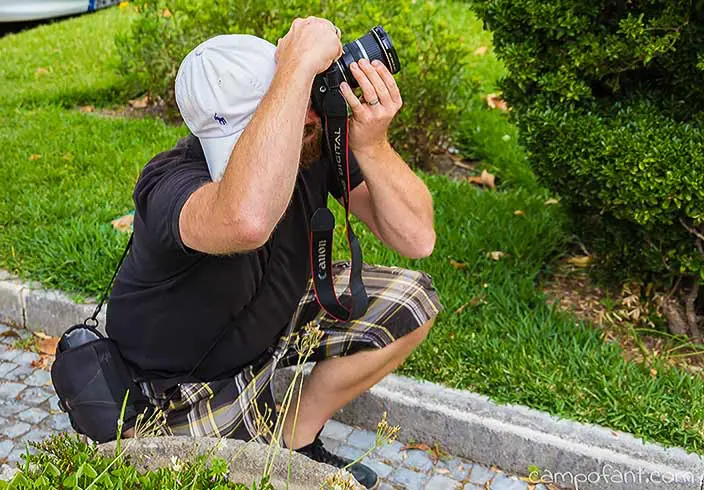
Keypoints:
pixel 92 380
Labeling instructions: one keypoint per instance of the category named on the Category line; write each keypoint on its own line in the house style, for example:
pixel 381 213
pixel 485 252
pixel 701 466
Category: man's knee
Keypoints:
pixel 418 335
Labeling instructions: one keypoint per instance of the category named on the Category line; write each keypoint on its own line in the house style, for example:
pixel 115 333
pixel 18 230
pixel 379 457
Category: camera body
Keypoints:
pixel 375 45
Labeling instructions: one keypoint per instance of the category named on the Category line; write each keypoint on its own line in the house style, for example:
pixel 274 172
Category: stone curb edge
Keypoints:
pixel 463 423
pixel 513 437
pixel 27 305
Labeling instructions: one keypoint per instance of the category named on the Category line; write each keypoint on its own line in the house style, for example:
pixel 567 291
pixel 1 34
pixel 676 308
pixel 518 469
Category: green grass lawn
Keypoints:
pixel 56 207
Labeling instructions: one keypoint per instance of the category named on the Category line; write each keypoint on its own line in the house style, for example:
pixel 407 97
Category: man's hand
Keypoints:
pixel 382 100
pixel 239 213
pixel 311 43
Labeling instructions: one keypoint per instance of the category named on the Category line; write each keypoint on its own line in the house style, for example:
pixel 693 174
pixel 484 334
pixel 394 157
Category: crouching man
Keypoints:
pixel 218 281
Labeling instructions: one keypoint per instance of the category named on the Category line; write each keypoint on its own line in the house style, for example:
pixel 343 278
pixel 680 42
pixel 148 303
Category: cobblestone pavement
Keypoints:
pixel 29 412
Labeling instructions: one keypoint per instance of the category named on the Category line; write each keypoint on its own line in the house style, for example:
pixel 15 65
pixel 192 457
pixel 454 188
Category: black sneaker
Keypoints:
pixel 317 452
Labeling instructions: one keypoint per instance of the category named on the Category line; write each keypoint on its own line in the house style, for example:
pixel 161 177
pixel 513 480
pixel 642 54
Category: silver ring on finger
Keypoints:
pixel 373 102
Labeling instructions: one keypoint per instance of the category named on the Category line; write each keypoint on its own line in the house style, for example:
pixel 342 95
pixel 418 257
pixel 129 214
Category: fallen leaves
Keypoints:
pixel 580 260
pixel 434 452
pixel 141 103
pixel 34 156
pixel 44 362
pixel 123 224
pixel 519 212
pixel 472 302
pixel 481 51
pixel 87 108
pixel 39 342
pixel 40 71
pixel 46 344
pixel 166 13
pixel 494 101
pixel 496 255
pixel 486 179
pixel 457 265
pixel 551 202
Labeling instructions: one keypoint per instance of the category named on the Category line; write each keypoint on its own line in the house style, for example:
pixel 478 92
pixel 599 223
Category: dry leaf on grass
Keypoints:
pixel 472 302
pixel 551 201
pixel 486 179
pixel 86 108
pixel 494 101
pixel 496 255
pixel 124 223
pixel 480 51
pixel 457 265
pixel 41 71
pixel 140 103
pixel 166 13
pixel 518 212
pixel 48 346
pixel 460 310
pixel 34 156
pixel 579 260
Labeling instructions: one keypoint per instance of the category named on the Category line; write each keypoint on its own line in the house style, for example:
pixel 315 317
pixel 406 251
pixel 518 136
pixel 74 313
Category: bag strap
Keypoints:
pixel 92 321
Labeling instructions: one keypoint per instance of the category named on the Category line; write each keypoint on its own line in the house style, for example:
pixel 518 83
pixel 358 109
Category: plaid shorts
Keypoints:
pixel 400 301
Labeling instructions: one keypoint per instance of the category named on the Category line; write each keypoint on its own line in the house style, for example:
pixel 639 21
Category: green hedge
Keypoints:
pixel 608 98
pixel 435 83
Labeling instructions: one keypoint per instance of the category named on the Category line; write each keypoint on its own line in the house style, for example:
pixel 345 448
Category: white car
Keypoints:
pixel 25 10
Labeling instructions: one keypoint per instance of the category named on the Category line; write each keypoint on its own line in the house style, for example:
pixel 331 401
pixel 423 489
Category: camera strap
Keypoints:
pixel 335 130
pixel 92 321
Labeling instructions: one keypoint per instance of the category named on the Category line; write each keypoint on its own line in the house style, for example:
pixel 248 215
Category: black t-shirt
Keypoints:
pixel 170 303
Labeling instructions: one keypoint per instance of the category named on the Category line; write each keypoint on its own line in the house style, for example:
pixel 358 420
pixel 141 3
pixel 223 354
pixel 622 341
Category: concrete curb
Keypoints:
pixel 27 305
pixel 465 424
pixel 245 459
pixel 569 454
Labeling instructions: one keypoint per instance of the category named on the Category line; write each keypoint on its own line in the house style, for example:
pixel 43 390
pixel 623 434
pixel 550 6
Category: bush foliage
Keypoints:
pixel 608 98
pixel 434 80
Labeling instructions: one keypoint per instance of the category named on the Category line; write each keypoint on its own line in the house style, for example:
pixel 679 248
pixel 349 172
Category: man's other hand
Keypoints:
pixel 382 100
pixel 312 43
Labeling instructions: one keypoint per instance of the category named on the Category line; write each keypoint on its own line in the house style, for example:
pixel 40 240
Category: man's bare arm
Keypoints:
pixel 239 213
pixel 395 203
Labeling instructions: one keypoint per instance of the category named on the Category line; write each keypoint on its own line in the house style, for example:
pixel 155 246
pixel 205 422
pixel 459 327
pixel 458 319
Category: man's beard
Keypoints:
pixel 311 151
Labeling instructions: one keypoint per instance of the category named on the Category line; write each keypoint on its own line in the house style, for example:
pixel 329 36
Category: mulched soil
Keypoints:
pixel 617 313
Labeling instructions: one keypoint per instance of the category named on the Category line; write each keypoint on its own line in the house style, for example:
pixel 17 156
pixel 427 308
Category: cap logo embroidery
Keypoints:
pixel 220 119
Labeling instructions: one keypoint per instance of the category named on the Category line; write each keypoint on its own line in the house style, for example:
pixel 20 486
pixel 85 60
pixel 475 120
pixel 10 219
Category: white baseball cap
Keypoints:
pixel 218 87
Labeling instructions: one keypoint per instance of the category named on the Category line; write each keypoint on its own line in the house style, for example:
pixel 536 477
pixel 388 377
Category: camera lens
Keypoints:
pixel 375 45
